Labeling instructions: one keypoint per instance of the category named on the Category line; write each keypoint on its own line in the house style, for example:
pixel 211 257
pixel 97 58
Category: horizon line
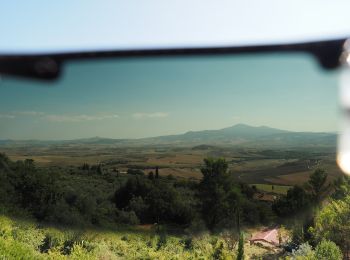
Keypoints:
pixel 139 138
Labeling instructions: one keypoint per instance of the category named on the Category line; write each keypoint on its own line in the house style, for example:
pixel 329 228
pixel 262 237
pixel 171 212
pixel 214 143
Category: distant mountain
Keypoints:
pixel 240 131
pixel 239 134
pixel 242 134
pixel 235 134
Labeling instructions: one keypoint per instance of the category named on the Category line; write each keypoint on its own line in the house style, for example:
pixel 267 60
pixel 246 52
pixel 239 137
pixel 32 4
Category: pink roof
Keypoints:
pixel 269 235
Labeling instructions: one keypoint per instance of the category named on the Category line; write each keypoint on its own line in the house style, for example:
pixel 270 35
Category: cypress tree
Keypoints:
pixel 240 253
pixel 150 176
pixel 157 173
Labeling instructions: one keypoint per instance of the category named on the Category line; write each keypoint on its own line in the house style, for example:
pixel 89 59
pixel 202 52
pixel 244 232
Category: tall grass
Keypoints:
pixel 26 239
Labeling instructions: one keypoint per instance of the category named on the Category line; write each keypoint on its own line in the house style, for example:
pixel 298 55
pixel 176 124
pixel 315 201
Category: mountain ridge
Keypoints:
pixel 233 135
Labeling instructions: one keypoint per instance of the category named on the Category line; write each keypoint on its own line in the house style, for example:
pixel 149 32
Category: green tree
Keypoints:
pixel 332 223
pixel 135 186
pixel 219 195
pixel 317 183
pixel 214 170
pixel 85 167
pixel 157 173
pixel 341 187
pixel 151 175
pixel 240 252
pixel 140 208
pixel 296 200
pixel 99 169
pixel 35 189
pixel 4 161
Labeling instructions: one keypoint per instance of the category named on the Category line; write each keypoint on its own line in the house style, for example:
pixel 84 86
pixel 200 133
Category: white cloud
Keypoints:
pixel 150 115
pixel 58 117
pixel 8 116
pixel 78 118
pixel 14 114
pixel 30 113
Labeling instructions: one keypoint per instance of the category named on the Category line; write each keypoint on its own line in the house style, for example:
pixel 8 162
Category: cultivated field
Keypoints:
pixel 253 166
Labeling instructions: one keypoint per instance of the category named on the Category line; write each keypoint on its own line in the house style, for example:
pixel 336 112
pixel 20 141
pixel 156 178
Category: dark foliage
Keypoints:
pixel 156 201
pixel 295 201
pixel 91 195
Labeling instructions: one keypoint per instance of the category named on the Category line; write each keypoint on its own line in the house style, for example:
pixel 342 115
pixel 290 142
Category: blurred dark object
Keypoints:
pixel 49 66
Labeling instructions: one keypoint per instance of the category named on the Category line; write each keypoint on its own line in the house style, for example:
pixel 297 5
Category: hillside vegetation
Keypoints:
pixel 29 240
pixel 87 213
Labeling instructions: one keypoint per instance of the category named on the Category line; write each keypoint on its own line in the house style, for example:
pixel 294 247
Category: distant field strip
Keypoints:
pixel 278 189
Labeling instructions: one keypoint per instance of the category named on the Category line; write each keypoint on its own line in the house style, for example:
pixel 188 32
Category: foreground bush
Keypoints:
pixel 26 240
pixel 12 249
pixel 325 250
pixel 328 250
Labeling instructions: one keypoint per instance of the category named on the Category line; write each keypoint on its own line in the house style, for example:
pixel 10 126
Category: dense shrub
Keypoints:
pixel 28 234
pixel 304 251
pixel 12 249
pixel 53 240
pixel 155 201
pixel 328 250
pixel 331 223
pixel 295 201
pixel 127 217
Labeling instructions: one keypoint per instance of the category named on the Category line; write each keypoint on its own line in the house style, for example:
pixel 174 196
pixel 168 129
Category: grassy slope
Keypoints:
pixel 23 239
pixel 26 239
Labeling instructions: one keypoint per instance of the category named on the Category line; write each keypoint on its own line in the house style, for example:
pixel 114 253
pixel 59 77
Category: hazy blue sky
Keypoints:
pixel 159 96
pixel 137 98
pixel 41 25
